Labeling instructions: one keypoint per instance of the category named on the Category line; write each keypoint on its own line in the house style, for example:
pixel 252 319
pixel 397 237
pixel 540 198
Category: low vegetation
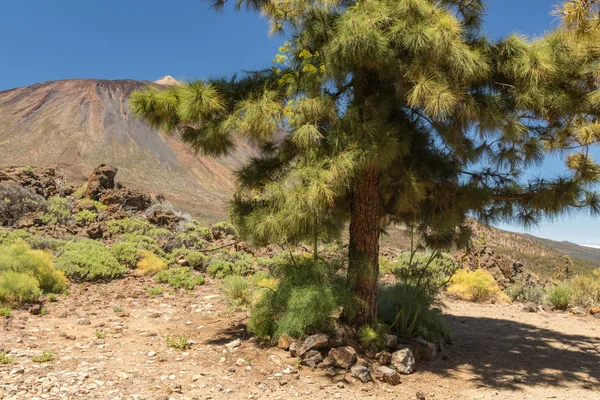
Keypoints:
pixel 149 263
pixel 560 296
pixel 478 285
pixel 16 200
pixel 46 356
pixel 238 290
pixel 5 359
pixel 89 260
pixel 180 277
pixel 59 211
pixel 177 342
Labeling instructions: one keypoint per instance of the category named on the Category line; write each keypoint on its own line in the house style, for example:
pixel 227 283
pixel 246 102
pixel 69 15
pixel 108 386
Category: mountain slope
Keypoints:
pixel 571 249
pixel 77 124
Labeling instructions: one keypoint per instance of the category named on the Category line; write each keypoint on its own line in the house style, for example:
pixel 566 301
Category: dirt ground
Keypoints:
pixel 498 352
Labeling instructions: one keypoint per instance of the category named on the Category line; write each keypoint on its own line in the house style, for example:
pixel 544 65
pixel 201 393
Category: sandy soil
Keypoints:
pixel 499 352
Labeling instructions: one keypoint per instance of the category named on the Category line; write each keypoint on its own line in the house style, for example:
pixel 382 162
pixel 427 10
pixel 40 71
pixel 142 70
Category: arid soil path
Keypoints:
pixel 499 352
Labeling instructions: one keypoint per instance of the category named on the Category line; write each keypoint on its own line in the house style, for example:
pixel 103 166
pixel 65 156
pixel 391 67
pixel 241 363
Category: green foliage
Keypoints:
pixel 59 211
pixel 16 200
pixel 181 277
pixel 560 297
pixel 46 356
pixel 386 266
pixel 100 334
pixel 27 170
pixel 189 240
pixel 222 229
pixel 12 236
pixel 429 271
pixel 202 232
pixel 92 205
pixel 86 216
pixel 178 343
pixel 136 226
pixel 478 285
pixel 524 292
pixel 5 360
pixel 196 260
pixel 126 253
pixel 586 290
pixel 411 312
pixel 5 311
pixel 52 298
pixel 80 192
pixel 118 309
pixel 89 260
pixel 220 269
pixel 153 291
pixel 238 291
pixel 372 337
pixel 25 273
pixel 302 302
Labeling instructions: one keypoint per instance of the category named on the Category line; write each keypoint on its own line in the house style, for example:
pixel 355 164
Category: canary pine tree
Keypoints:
pixel 382 112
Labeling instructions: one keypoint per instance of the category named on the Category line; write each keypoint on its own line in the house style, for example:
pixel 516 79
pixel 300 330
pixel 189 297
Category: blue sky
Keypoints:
pixel 146 39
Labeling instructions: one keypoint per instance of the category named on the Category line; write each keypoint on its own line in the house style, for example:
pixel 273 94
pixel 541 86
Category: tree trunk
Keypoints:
pixel 363 266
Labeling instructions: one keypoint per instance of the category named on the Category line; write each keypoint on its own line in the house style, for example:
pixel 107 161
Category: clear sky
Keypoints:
pixel 147 39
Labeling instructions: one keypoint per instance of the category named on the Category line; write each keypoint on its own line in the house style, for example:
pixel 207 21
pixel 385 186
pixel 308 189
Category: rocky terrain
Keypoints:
pixel 109 341
pixel 75 125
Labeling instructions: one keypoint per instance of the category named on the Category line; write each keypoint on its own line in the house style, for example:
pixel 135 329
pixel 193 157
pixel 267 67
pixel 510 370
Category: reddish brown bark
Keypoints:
pixel 363 267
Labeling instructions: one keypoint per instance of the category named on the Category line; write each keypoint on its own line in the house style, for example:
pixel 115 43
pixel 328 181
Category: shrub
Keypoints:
pixel 411 312
pixel 150 263
pixel 135 226
pixel 222 229
pixel 6 360
pixel 220 269
pixel 86 216
pixel 19 287
pixel 238 291
pixel 372 337
pixel 386 266
pixel 59 211
pixel 303 301
pixel 46 356
pixel 92 205
pixel 526 292
pixel 181 277
pixel 89 260
pixel 429 271
pixel 80 192
pixel 560 297
pixel 27 170
pixel 196 260
pixel 25 273
pixel 178 343
pixel 126 253
pixel 478 285
pixel 586 290
pixel 5 311
pixel 153 291
pixel 17 200
pixel 11 236
pixel 189 240
pixel 201 231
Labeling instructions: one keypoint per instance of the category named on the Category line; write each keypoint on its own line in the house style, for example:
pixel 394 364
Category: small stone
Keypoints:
pixel 17 370
pixel 151 353
pixel 122 375
pixel 311 358
pixel 595 310
pixel 284 342
pixel 391 341
pixel 240 362
pixel 84 321
pixel 361 372
pixel 294 349
pixel 232 345
pixel 343 357
pixel 420 396
pixel 317 341
pixel 530 307
pixel 404 361
pixel 340 385
pixel 387 375
pixel 384 357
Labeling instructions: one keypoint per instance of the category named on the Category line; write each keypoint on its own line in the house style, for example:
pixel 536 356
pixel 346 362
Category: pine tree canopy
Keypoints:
pixel 407 97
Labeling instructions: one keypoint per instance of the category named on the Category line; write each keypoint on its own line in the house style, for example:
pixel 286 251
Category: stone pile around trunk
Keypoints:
pixel 323 351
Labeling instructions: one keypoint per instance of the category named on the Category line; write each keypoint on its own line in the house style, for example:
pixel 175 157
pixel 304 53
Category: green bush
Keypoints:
pixel 303 301
pixel 238 291
pixel 386 266
pixel 89 260
pixel 586 290
pixel 126 253
pixel 25 273
pixel 222 229
pixel 373 337
pixel 181 277
pixel 59 211
pixel 92 205
pixel 80 192
pixel 4 359
pixel 429 271
pixel 11 236
pixel 202 232
pixel 220 269
pixel 86 216
pixel 524 292
pixel 560 297
pixel 411 312
pixel 196 260
pixel 189 240
pixel 5 311
pixel 135 226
